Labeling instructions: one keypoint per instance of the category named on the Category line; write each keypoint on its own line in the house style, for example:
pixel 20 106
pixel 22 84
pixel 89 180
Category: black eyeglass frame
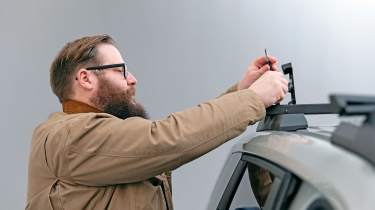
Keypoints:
pixel 109 66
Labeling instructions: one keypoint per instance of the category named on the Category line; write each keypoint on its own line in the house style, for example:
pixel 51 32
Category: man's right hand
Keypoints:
pixel 271 87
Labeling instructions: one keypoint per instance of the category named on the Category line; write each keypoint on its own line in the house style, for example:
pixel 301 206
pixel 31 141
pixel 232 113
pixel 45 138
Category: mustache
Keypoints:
pixel 131 91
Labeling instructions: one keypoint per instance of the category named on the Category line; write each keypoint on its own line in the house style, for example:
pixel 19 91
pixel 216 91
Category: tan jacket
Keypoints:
pixel 97 161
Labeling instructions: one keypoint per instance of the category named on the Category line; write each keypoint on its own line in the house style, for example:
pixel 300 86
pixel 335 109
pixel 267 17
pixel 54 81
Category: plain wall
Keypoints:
pixel 182 53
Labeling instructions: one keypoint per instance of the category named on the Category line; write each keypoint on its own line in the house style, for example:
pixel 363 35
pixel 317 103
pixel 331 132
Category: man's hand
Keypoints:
pixel 256 69
pixel 271 87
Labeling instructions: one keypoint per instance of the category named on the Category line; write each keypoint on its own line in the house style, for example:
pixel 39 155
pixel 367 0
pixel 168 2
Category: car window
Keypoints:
pixel 261 181
pixel 258 183
pixel 309 198
pixel 244 196
pixel 273 186
pixel 320 204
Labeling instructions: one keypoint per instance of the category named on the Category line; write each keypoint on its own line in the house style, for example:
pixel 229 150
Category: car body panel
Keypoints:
pixel 346 180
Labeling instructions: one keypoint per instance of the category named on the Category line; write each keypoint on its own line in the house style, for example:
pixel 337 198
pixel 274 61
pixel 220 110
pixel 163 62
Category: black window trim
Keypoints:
pixel 232 186
pixel 283 185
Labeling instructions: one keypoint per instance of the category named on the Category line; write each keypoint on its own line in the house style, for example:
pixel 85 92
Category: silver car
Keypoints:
pixel 289 165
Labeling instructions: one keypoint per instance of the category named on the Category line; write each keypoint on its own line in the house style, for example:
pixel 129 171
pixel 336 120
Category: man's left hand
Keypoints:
pixel 256 69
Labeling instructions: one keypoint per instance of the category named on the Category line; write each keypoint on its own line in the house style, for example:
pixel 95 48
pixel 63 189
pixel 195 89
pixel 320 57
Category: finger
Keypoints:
pixel 282 91
pixel 274 67
pixel 282 96
pixel 284 81
pixel 285 88
pixel 284 85
pixel 280 99
pixel 261 61
pixel 279 74
pixel 272 59
pixel 264 69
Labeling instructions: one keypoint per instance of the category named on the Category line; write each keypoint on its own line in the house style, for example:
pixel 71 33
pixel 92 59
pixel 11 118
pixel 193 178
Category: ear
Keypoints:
pixel 85 79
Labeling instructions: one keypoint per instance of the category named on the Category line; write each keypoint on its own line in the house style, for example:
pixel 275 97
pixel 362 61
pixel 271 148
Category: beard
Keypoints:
pixel 117 102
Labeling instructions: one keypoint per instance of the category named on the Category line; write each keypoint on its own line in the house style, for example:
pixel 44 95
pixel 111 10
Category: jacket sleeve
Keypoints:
pixel 232 89
pixel 104 150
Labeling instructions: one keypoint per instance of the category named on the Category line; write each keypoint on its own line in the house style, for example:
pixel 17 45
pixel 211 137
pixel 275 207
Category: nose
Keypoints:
pixel 131 79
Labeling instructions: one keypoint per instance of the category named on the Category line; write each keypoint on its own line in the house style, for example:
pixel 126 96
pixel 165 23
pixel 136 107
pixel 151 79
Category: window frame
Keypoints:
pixel 283 186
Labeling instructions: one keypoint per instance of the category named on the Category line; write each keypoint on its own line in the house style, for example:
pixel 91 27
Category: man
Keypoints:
pixel 102 152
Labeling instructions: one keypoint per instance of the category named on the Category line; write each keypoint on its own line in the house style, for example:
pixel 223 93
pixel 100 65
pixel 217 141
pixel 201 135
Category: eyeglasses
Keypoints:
pixel 103 67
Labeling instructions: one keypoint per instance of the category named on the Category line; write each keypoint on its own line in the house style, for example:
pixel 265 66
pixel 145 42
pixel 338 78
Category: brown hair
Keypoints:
pixel 73 56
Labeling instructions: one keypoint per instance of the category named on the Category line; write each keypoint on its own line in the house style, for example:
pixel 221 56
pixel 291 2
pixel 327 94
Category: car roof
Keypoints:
pixel 346 179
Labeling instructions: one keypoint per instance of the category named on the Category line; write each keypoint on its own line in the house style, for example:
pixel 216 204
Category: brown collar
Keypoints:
pixel 73 107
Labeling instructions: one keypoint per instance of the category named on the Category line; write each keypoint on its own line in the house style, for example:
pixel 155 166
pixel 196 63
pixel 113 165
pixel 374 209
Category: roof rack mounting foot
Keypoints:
pixel 287 122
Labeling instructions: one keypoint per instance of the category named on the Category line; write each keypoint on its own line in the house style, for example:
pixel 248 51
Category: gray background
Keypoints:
pixel 182 53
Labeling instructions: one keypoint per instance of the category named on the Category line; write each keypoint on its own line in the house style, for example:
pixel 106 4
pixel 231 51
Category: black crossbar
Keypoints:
pixel 302 109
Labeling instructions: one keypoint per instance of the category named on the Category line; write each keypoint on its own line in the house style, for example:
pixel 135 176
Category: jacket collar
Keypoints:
pixel 73 107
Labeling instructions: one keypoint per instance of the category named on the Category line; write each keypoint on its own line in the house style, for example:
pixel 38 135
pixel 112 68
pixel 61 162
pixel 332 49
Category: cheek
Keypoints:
pixel 119 83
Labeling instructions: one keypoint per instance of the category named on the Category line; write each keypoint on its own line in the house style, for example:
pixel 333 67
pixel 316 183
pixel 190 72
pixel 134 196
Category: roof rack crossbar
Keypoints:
pixel 349 105
pixel 302 109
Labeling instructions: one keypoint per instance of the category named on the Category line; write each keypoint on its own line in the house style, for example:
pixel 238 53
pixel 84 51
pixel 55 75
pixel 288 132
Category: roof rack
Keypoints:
pixel 291 117
pixel 357 139
pixel 349 105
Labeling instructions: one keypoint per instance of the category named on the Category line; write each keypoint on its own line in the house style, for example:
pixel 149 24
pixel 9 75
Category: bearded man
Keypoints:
pixel 102 151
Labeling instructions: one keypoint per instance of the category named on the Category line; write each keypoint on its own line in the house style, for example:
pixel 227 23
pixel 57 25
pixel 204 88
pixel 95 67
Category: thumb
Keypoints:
pixel 263 69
